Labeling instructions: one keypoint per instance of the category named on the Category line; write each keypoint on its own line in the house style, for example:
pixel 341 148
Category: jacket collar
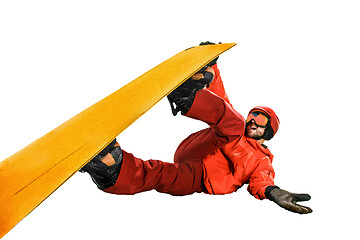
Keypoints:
pixel 255 144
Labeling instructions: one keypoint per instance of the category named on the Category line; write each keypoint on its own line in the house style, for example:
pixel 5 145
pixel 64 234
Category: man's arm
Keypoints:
pixel 261 178
pixel 261 186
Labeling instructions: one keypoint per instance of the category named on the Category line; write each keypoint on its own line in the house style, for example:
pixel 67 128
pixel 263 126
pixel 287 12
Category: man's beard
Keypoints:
pixel 256 137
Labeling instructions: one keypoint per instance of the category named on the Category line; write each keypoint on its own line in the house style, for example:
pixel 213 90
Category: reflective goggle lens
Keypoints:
pixel 259 118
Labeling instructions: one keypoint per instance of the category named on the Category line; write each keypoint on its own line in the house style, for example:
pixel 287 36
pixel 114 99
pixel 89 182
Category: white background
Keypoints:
pixel 299 57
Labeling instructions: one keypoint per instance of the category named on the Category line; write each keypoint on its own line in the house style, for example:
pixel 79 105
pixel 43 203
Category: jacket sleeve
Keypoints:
pixel 262 177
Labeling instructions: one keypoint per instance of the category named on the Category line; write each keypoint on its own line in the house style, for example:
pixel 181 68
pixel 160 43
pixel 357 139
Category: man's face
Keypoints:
pixel 253 131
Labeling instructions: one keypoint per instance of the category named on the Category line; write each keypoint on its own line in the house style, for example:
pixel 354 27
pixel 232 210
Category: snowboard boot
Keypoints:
pixel 213 62
pixel 105 167
pixel 182 98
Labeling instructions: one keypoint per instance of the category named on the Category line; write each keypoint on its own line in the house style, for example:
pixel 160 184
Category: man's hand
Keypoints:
pixel 289 200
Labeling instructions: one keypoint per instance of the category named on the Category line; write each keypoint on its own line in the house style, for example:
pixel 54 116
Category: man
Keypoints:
pixel 216 160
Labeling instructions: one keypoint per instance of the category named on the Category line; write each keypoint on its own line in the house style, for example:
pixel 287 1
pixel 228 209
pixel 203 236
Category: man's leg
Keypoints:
pixel 116 171
pixel 225 124
pixel 217 85
pixel 137 176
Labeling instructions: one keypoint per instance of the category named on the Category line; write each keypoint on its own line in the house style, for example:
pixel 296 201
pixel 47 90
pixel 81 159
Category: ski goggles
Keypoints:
pixel 261 120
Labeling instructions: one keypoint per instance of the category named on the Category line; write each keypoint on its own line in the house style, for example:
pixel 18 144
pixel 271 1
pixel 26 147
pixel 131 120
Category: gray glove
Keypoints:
pixel 288 200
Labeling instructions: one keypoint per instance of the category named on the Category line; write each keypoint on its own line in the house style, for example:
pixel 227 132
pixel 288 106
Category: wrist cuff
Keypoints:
pixel 268 190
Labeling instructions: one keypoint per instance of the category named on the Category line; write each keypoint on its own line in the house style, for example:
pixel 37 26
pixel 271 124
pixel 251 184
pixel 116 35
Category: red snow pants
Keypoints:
pixel 184 176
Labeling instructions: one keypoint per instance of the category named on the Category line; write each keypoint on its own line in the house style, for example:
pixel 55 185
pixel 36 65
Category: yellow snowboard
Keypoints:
pixel 29 176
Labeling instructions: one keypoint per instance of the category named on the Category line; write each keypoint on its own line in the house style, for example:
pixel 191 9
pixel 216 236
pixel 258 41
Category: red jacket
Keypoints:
pixel 237 163
pixel 242 161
